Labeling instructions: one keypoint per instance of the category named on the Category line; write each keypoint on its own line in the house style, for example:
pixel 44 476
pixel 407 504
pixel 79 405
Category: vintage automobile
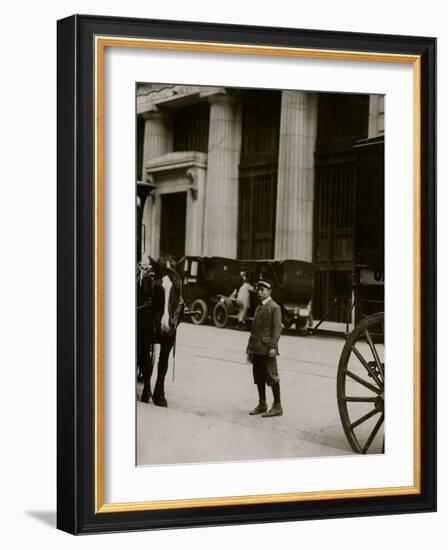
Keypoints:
pixel 293 289
pixel 205 279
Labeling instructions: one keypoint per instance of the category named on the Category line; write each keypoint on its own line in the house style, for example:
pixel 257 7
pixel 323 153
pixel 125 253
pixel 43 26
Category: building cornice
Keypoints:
pixel 176 160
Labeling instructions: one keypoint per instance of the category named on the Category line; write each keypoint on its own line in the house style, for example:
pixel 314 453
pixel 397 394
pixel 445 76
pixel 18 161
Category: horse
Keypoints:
pixel 159 312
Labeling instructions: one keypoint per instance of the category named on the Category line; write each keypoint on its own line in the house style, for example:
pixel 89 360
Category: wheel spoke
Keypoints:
pixel 374 352
pixel 366 365
pixel 373 412
pixel 363 382
pixel 365 343
pixel 373 434
pixel 352 399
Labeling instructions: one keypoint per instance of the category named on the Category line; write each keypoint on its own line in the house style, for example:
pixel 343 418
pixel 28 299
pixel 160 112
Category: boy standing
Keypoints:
pixel 262 350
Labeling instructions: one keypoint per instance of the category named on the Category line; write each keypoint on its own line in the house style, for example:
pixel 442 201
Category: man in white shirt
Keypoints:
pixel 242 298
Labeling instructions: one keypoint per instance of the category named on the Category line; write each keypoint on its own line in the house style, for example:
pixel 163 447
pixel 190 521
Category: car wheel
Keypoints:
pixel 220 315
pixel 200 308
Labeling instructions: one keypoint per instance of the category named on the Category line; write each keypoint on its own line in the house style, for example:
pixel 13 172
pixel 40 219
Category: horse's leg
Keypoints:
pixel 140 359
pixel 162 368
pixel 148 356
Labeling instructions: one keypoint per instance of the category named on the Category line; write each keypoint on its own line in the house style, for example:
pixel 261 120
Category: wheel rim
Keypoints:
pixel 360 386
pixel 201 307
pixel 220 316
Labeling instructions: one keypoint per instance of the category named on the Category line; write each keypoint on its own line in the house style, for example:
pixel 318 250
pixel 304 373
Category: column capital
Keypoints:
pixel 155 114
pixel 221 97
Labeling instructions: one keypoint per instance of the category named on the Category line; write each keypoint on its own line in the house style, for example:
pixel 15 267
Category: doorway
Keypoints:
pixel 172 224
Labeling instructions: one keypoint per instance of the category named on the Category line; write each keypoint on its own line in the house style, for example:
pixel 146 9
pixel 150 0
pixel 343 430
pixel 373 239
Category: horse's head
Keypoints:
pixel 161 287
pixel 171 284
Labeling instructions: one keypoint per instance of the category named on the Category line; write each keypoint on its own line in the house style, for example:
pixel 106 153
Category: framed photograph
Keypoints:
pixel 246 232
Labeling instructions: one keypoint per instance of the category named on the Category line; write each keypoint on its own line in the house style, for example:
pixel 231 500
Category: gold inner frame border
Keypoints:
pixel 101 42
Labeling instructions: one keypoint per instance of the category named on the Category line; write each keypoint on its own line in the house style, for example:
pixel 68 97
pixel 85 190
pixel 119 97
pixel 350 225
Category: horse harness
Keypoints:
pixel 148 271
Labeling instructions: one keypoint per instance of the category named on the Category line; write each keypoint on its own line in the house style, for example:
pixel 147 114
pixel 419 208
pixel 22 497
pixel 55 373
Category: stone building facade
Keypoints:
pixel 254 174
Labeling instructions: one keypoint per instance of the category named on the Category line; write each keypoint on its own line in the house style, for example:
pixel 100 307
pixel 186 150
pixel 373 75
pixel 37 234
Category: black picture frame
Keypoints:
pixel 77 509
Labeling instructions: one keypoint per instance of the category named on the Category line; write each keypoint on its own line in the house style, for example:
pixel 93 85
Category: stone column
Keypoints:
pixel 158 140
pixel 221 200
pixel 376 116
pixel 295 188
pixel 158 137
pixel 195 212
pixel 151 234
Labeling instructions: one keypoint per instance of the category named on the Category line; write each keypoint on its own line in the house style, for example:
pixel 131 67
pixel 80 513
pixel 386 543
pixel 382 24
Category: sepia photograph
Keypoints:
pixel 259 274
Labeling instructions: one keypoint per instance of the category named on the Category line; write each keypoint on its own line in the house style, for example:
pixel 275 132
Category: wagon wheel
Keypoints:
pixel 200 308
pixel 220 315
pixel 360 386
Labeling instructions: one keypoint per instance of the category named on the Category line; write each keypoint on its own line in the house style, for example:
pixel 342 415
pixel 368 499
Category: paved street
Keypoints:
pixel 207 419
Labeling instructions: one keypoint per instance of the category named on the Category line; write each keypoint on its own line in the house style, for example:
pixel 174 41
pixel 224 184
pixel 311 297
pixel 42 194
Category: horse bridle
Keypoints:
pixel 180 303
pixel 148 270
